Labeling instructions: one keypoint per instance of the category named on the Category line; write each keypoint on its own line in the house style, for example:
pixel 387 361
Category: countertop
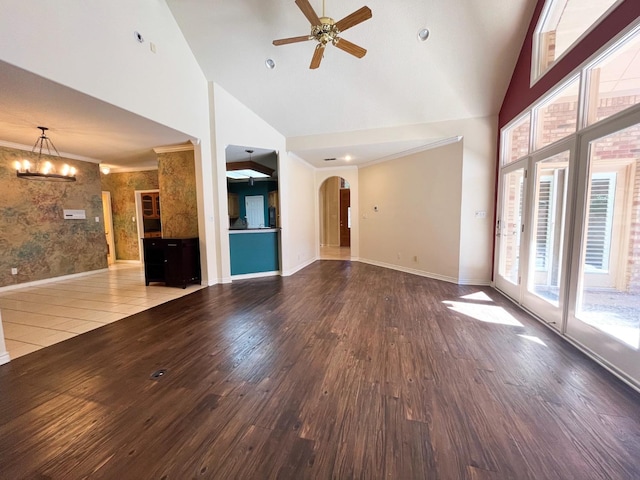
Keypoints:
pixel 252 230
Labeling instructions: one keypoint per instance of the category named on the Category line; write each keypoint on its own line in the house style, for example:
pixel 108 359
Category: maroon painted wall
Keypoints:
pixel 520 95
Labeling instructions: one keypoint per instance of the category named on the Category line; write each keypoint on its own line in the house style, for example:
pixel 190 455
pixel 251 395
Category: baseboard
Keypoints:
pixel 135 262
pixel 475 282
pixel 297 268
pixel 45 281
pixel 412 271
pixel 247 276
pixel 4 358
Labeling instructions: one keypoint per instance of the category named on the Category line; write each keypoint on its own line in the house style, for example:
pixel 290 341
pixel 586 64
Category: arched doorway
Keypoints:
pixel 335 219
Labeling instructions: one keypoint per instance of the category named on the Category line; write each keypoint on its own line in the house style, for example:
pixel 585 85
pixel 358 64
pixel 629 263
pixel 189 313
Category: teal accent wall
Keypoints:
pixel 259 188
pixel 254 252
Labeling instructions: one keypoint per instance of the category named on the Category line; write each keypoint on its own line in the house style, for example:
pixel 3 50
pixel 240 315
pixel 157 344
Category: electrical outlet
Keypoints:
pixel 14 271
pixel 415 258
pixel 398 255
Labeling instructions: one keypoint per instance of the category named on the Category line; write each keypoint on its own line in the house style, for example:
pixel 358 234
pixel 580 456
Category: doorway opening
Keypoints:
pixel 148 217
pixel 107 214
pixel 335 219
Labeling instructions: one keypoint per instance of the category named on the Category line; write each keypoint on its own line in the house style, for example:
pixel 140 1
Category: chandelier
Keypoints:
pixel 43 169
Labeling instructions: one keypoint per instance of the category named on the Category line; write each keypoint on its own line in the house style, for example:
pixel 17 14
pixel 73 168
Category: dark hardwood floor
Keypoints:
pixel 343 370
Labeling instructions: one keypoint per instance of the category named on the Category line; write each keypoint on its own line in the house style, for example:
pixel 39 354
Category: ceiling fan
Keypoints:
pixel 325 30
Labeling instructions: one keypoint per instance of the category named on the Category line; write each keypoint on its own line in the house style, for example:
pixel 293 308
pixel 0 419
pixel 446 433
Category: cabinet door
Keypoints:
pixel 151 205
pixel 147 205
pixel 156 205
pixel 234 205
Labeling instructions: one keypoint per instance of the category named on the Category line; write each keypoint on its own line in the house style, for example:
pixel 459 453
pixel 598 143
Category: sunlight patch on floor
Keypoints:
pixel 533 339
pixel 484 313
pixel 478 296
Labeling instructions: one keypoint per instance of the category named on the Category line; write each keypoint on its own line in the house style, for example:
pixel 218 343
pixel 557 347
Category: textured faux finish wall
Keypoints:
pixel 34 237
pixel 123 205
pixel 178 201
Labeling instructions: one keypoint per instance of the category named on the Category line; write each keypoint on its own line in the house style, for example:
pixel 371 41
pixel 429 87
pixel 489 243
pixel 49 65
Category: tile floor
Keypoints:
pixel 335 253
pixel 36 317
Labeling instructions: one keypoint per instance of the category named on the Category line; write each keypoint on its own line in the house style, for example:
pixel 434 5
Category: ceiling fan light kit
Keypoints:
pixel 325 30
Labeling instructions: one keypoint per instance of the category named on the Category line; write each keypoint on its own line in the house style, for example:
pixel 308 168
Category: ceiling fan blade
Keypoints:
pixel 308 11
pixel 349 47
pixel 285 41
pixel 317 56
pixel 354 19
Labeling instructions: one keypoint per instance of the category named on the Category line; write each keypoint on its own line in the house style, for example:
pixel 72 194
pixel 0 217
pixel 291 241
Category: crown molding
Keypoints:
pixel 29 148
pixel 185 147
pixel 405 153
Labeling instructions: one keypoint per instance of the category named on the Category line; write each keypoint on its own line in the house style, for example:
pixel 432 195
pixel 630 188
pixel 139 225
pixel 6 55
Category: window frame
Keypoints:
pixel 536 74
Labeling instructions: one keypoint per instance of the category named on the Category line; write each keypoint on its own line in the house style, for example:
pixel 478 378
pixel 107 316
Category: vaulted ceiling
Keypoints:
pixel 461 71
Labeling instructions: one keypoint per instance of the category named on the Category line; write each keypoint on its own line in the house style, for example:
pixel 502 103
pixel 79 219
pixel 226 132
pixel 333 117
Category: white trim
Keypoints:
pixel 29 148
pixel 411 151
pixel 611 44
pixel 535 75
pixel 133 169
pixel 297 268
pixel 4 358
pixel 504 132
pixel 174 148
pixel 135 262
pixel 246 276
pixel 45 281
pixel 412 271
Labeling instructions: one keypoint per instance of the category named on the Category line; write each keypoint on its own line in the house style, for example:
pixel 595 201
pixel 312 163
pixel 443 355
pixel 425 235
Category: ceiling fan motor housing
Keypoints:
pixel 326 32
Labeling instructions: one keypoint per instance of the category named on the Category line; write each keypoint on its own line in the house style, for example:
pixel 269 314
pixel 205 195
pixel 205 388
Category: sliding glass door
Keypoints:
pixel 568 232
pixel 509 228
pixel 546 272
pixel 604 312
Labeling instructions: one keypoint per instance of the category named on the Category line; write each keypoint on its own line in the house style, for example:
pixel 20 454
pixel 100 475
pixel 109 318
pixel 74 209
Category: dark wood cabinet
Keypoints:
pixel 174 261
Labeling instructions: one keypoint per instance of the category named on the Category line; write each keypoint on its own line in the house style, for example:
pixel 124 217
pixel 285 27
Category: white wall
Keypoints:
pixel 477 178
pixel 478 195
pixel 235 124
pixel 416 227
pixel 302 233
pixel 90 47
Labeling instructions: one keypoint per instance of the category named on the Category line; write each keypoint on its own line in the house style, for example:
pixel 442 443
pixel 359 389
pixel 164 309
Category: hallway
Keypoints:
pixel 39 316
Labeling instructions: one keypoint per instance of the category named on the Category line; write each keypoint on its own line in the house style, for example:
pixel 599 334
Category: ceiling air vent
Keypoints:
pixel 330 159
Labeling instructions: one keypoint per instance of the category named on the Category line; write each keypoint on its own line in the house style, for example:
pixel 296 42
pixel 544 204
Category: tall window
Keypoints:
pixel 561 24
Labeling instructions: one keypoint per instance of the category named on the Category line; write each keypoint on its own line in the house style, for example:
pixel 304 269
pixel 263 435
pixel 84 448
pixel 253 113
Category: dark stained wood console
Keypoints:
pixel 174 261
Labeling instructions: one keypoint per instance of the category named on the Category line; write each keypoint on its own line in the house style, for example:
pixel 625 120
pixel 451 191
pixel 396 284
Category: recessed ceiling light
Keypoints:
pixel 270 63
pixel 348 158
pixel 423 34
